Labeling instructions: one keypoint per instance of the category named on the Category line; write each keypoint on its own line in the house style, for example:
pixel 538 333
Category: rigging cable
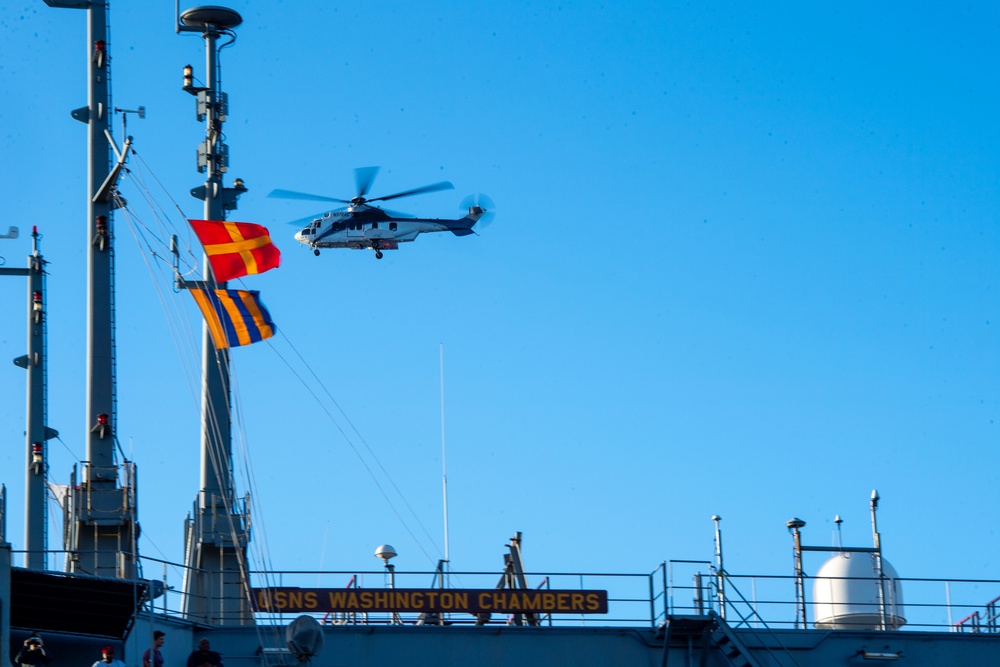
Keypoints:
pixel 155 251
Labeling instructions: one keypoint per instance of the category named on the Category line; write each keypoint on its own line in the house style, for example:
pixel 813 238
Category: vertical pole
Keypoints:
pixel 800 584
pixel 95 551
pixel 100 331
pixel 5 563
pixel 444 464
pixel 879 574
pixel 216 437
pixel 35 488
pixel 720 573
pixel 795 526
pixel 216 578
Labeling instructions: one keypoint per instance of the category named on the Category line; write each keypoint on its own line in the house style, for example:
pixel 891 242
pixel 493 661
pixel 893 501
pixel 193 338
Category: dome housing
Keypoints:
pixel 846 594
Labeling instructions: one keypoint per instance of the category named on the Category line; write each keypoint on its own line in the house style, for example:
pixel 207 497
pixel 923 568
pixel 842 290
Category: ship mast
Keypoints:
pixel 36 432
pixel 101 515
pixel 216 534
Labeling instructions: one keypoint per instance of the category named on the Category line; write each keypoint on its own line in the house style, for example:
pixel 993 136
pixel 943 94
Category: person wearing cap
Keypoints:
pixel 108 658
pixel 158 639
pixel 33 652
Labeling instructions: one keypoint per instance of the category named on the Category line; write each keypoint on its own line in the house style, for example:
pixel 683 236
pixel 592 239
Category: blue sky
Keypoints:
pixel 745 262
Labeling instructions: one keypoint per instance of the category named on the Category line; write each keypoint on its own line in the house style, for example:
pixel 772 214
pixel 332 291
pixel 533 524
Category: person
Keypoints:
pixel 204 656
pixel 33 652
pixel 108 658
pixel 158 639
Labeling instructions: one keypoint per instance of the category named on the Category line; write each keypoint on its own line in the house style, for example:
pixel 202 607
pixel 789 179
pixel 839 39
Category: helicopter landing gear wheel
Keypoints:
pixel 316 251
pixel 378 254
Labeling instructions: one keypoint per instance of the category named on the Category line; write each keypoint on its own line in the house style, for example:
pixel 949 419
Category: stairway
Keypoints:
pixel 736 653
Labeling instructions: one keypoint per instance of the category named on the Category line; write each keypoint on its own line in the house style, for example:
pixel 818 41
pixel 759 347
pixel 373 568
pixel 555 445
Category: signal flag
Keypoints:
pixel 234 317
pixel 236 249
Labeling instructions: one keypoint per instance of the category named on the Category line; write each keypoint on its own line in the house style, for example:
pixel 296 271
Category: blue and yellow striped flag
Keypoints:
pixel 234 317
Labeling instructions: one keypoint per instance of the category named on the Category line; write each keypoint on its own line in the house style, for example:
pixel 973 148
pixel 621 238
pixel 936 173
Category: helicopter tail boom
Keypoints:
pixel 463 226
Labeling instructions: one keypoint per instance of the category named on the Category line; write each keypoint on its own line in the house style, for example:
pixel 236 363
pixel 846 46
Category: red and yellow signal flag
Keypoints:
pixel 236 249
pixel 234 317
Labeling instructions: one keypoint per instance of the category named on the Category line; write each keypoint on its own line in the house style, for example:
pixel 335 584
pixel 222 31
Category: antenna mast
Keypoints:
pixel 444 462
pixel 101 537
pixel 217 534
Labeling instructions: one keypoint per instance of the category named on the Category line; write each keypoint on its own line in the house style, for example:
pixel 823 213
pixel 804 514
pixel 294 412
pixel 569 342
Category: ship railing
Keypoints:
pixel 969 624
pixel 756 601
pixel 675 588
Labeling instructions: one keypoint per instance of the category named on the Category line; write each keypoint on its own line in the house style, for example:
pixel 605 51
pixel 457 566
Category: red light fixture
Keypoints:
pixel 100 47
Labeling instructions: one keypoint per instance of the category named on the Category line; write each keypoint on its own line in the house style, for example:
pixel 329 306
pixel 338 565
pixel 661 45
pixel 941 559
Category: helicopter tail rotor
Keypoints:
pixel 480 208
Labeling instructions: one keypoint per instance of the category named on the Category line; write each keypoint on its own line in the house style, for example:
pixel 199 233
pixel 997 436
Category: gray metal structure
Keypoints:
pixel 36 432
pixel 101 514
pixel 217 531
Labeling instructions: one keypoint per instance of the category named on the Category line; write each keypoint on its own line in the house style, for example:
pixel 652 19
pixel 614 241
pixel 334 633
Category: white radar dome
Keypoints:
pixel 846 594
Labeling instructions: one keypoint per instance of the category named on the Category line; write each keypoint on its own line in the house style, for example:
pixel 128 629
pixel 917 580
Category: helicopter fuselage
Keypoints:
pixel 370 228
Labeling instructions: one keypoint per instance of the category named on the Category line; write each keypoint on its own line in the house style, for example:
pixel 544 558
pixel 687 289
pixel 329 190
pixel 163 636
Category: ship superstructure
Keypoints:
pixel 849 611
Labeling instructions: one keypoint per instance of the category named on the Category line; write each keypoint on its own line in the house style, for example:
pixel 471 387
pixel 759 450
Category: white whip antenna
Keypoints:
pixel 444 461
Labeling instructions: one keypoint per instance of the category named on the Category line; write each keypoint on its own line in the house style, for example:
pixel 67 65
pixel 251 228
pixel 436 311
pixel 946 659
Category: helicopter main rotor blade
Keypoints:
pixel 291 194
pixel 434 187
pixel 364 177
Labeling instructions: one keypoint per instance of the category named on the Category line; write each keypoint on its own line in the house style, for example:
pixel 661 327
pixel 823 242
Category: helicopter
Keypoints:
pixel 362 226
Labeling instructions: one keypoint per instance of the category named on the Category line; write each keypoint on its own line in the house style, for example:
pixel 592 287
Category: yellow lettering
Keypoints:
pixel 366 600
pixel 513 602
pixel 563 601
pixel 295 599
pixel 311 601
pixel 280 599
pixel 447 601
pixel 593 601
pixel 432 599
pixel 485 601
pixel 418 600
pixel 532 601
pixel 548 601
pixel 577 601
pixel 462 600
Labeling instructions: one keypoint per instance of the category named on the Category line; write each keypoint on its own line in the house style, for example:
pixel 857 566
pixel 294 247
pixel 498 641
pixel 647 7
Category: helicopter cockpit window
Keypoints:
pixel 392 226
pixel 374 225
